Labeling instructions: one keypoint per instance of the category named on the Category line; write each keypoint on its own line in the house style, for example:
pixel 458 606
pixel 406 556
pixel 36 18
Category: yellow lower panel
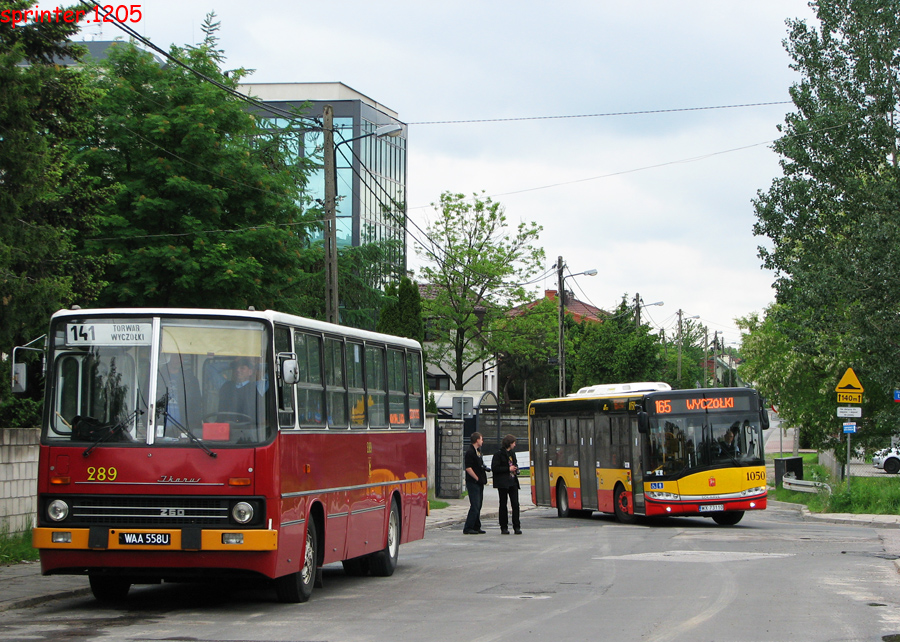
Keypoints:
pixel 211 540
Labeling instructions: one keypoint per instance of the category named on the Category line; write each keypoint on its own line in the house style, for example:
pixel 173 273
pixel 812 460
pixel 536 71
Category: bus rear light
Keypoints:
pixel 61 537
pixel 59 481
pixel 238 481
pixel 232 538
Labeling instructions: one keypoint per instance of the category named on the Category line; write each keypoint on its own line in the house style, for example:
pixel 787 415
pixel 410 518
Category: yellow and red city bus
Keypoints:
pixel 644 449
pixel 180 444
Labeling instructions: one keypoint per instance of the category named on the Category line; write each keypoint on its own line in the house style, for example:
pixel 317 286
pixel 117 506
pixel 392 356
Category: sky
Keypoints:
pixel 624 129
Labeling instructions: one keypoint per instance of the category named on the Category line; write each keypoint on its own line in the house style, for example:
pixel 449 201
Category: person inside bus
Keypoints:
pixel 239 400
pixel 506 480
pixel 180 391
pixel 476 479
pixel 728 446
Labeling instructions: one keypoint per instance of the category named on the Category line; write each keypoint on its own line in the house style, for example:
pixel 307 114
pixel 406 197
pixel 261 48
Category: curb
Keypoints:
pixel 35 600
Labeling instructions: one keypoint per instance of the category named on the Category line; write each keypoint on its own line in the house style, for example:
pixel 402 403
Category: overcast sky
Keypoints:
pixel 659 203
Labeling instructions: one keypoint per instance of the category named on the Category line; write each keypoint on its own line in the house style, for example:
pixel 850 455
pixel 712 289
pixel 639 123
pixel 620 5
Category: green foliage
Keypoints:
pixel 475 269
pixel 832 221
pixel 401 314
pixel 16 547
pixel 47 197
pixel 615 351
pixel 209 210
pixel 525 341
pixel 866 495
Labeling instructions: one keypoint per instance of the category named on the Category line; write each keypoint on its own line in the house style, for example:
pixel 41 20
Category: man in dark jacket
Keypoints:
pixel 506 480
pixel 476 478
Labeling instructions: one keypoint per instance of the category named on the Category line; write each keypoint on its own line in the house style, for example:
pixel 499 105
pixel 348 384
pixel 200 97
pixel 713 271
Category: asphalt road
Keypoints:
pixel 773 577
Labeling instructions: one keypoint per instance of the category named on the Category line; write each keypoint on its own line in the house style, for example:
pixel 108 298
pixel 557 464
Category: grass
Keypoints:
pixel 863 496
pixel 16 547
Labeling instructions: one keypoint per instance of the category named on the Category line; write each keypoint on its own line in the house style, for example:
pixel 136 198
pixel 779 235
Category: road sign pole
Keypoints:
pixel 848 463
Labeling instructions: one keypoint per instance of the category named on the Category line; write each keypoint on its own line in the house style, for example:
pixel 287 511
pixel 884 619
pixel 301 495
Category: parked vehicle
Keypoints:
pixel 887 459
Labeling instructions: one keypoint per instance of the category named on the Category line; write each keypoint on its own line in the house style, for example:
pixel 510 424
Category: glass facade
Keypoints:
pixel 371 180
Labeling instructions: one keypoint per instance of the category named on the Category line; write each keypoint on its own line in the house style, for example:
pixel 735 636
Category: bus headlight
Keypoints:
pixel 57 510
pixel 242 512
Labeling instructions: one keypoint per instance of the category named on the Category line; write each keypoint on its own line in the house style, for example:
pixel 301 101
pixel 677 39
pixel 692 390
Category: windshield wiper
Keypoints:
pixel 92 426
pixel 162 406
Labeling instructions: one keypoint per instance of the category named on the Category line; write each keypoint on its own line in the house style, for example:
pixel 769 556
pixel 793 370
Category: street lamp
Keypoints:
pixel 330 168
pixel 561 352
pixel 638 304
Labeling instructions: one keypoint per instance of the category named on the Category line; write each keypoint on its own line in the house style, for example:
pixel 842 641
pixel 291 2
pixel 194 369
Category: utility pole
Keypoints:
pixel 716 359
pixel 562 337
pixel 332 313
pixel 705 355
pixel 679 347
pixel 637 311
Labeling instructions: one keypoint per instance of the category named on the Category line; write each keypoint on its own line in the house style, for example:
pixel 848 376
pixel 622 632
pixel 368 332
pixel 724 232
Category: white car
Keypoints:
pixel 887 459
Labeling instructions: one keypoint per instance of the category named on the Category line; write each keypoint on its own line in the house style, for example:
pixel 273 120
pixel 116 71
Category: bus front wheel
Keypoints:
pixel 728 519
pixel 297 587
pixel 622 502
pixel 109 588
pixel 384 561
pixel 562 500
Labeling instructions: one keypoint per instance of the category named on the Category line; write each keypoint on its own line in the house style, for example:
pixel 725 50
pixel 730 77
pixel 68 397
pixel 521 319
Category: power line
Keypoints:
pixel 599 115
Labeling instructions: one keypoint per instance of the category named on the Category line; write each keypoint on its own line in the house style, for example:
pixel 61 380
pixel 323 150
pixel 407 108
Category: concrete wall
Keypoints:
pixel 18 478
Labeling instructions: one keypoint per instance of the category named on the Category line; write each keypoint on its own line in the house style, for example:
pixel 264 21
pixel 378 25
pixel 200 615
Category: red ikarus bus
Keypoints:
pixel 181 444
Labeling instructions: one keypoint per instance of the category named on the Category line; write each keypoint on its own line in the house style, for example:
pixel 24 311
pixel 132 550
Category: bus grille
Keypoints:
pixel 165 511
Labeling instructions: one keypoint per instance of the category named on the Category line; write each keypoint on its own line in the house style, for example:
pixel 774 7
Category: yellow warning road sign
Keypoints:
pixel 849 383
pixel 849 397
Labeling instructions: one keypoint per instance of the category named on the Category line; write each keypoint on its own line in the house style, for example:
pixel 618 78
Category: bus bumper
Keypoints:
pixel 165 539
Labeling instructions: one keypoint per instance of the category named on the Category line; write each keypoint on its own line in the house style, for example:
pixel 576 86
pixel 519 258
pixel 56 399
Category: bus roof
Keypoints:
pixel 271 316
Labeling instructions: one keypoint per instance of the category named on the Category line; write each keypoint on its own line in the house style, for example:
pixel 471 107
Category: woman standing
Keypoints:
pixel 506 481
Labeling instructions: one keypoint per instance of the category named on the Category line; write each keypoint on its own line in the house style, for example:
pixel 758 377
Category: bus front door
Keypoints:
pixel 637 467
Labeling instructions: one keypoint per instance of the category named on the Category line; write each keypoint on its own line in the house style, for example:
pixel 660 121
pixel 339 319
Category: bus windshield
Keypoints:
pixel 681 444
pixel 162 382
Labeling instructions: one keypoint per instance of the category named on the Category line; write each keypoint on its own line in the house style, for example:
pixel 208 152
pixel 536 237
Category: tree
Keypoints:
pixel 832 216
pixel 525 341
pixel 615 351
pixel 46 195
pixel 475 269
pixel 401 314
pixel 211 202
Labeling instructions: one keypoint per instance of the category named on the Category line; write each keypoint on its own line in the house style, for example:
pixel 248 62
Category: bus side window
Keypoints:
pixel 356 385
pixel 375 386
pixel 310 389
pixel 286 415
pixel 396 368
pixel 416 398
pixel 335 383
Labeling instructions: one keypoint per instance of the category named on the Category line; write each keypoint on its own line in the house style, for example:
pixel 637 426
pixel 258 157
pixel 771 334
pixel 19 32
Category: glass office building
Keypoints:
pixel 371 172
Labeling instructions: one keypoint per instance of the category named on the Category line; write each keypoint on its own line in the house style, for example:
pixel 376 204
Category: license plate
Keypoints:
pixel 710 508
pixel 145 539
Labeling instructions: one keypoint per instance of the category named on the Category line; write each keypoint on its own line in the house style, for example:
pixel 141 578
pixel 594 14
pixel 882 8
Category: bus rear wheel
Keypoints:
pixel 728 519
pixel 297 587
pixel 562 500
pixel 622 502
pixel 384 561
pixel 109 588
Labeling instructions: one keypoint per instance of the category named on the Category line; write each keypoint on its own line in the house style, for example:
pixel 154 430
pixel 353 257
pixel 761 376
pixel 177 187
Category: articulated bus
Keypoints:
pixel 183 444
pixel 645 449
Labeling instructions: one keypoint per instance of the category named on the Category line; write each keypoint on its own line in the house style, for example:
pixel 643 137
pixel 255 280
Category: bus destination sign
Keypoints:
pixel 108 334
pixel 701 404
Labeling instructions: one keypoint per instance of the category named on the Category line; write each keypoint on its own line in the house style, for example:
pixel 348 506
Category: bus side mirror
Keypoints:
pixel 19 378
pixel 290 371
pixel 764 418
pixel 643 423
